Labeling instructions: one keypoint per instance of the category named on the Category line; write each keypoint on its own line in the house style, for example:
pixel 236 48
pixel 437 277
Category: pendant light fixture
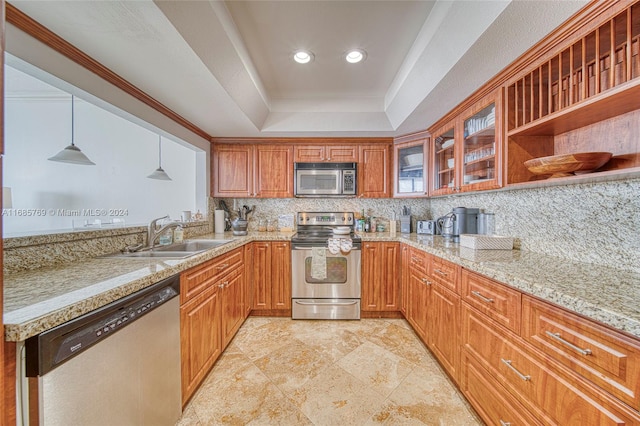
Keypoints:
pixel 159 173
pixel 72 154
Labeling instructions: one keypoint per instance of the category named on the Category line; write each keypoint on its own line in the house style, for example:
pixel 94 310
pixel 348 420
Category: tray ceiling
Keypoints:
pixel 227 66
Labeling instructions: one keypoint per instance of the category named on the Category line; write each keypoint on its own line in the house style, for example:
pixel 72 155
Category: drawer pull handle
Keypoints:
pixel 224 265
pixel 557 337
pixel 507 362
pixel 426 281
pixel 503 423
pixel 440 272
pixel 481 297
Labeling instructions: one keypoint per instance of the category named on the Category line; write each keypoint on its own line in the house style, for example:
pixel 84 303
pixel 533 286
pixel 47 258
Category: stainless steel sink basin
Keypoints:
pixel 175 251
pixel 192 245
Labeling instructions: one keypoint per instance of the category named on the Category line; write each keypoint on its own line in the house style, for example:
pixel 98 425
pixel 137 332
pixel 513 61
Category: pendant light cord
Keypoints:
pixel 159 151
pixel 72 125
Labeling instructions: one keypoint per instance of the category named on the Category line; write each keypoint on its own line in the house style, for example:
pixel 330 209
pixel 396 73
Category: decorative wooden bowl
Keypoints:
pixel 568 164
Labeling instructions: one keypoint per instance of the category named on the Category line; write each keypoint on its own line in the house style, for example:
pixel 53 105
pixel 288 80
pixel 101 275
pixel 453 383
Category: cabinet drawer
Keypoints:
pixel 195 280
pixel 607 358
pixel 537 384
pixel 495 300
pixel 419 261
pixel 446 274
pixel 495 405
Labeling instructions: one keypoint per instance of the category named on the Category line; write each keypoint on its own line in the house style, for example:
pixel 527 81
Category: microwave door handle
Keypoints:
pixel 340 182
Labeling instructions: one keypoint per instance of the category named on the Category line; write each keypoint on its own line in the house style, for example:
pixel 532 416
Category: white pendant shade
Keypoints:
pixel 159 173
pixel 72 154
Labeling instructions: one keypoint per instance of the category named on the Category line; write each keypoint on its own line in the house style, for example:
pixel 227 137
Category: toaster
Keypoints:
pixel 426 227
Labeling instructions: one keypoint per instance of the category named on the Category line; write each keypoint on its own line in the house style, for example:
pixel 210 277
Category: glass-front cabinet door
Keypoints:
pixel 481 150
pixel 444 162
pixel 410 169
pixel 479 147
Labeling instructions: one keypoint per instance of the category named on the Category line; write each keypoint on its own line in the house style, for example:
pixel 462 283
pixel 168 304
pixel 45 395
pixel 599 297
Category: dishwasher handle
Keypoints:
pixel 49 349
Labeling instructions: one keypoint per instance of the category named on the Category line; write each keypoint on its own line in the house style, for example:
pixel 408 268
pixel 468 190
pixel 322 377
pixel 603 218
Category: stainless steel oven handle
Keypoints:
pixel 326 303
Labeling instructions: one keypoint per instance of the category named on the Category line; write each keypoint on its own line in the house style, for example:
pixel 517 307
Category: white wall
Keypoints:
pixel 124 153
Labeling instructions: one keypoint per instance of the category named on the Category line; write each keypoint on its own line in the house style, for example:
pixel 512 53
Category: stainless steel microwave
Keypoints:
pixel 325 179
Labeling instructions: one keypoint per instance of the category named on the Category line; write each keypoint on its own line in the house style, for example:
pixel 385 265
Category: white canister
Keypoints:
pixel 218 225
pixel 185 216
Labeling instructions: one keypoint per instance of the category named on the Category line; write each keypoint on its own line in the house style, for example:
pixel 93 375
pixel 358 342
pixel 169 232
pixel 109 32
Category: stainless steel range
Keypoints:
pixel 326 269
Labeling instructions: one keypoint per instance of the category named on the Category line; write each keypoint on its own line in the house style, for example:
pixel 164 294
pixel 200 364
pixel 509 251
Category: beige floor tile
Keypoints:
pixel 335 397
pixel 333 341
pixel 291 366
pixel 279 371
pixel 428 397
pixel 378 368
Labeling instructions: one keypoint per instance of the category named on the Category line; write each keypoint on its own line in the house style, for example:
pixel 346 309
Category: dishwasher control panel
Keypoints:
pixel 53 347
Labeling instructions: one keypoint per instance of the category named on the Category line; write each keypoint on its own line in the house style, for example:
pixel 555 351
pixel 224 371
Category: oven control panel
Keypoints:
pixel 325 218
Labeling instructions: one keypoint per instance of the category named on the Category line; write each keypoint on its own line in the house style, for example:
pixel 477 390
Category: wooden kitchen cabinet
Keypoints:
pixel 374 175
pixel 550 392
pixel 232 170
pixel 271 277
pixel 443 320
pixel 248 277
pixel 607 358
pixel 410 172
pixel 405 276
pixel 573 96
pixel 326 153
pixel 380 277
pixel 211 312
pixel 200 338
pixel 467 149
pixel 232 310
pixel 490 400
pixel 273 171
pixel 498 302
pixel 419 291
pixel 263 171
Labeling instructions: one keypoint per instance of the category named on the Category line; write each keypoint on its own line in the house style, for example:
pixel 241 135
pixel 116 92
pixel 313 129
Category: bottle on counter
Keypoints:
pixel 166 237
pixel 178 235
pixel 373 225
pixel 367 225
pixel 392 225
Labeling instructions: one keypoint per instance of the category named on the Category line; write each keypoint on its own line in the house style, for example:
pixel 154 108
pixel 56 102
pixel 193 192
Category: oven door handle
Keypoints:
pixel 305 248
pixel 326 303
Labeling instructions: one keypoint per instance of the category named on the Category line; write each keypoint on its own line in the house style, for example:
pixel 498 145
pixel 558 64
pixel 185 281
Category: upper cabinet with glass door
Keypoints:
pixel 410 168
pixel 444 162
pixel 467 149
pixel 480 153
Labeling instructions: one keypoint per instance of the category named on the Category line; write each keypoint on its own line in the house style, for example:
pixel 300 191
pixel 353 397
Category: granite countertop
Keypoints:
pixel 37 300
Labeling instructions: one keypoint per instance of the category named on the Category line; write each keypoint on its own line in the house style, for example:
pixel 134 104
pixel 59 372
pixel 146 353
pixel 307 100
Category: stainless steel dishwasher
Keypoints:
pixel 117 365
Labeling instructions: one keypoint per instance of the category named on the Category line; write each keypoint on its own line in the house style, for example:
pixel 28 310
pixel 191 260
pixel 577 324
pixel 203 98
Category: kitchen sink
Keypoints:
pixel 174 251
pixel 191 246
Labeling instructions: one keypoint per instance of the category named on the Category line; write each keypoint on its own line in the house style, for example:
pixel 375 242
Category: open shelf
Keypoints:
pixel 617 101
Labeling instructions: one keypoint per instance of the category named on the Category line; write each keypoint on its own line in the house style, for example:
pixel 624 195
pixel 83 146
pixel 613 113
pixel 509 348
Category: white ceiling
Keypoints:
pixel 227 66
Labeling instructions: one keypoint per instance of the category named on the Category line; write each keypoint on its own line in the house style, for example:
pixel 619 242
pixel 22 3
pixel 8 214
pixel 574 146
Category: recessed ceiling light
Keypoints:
pixel 355 56
pixel 303 56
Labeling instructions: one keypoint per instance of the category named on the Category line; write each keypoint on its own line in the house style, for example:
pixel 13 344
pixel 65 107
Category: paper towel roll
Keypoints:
pixel 219 222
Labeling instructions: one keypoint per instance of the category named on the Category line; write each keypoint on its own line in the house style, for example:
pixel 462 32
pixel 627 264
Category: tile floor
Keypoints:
pixel 278 371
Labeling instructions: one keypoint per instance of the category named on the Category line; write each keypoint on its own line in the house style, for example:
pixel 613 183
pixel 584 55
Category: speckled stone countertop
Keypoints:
pixel 37 300
pixel 608 295
pixel 43 298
